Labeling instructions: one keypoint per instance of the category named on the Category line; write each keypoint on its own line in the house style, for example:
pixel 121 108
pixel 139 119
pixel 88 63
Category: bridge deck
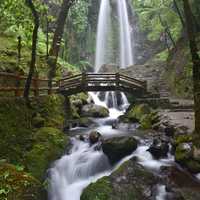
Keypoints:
pixel 101 82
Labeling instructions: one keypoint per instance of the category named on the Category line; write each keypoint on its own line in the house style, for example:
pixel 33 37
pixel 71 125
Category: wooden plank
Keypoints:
pixel 71 77
pixel 131 78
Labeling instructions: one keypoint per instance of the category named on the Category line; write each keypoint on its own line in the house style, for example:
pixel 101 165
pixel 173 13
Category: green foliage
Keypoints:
pixel 155 16
pixel 18 185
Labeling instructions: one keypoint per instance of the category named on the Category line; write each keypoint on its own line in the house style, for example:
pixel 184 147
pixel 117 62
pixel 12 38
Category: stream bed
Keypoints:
pixel 84 164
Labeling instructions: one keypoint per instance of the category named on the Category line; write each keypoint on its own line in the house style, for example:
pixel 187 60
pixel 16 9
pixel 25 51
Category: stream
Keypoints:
pixel 84 164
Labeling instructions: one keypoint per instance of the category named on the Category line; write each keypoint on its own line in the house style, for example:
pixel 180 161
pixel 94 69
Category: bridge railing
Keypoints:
pixel 86 80
pixel 13 84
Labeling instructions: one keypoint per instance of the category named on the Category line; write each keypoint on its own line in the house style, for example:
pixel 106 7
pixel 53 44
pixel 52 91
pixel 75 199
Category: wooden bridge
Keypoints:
pixel 86 82
pixel 70 85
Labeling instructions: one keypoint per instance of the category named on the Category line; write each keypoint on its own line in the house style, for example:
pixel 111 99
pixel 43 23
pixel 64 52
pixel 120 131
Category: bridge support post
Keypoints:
pixel 117 77
pixel 84 79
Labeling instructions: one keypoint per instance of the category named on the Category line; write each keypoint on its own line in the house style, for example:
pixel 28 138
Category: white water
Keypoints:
pixel 103 29
pixel 73 172
pixel 126 51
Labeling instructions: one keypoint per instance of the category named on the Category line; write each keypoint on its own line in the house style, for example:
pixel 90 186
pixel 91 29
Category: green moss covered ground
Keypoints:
pixel 32 138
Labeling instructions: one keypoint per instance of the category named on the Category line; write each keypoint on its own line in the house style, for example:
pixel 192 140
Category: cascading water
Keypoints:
pixel 72 173
pixel 102 41
pixel 104 48
pixel 126 52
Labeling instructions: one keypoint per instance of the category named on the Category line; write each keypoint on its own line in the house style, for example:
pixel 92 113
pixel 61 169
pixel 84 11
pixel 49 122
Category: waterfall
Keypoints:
pixel 126 52
pixel 103 29
pixel 73 172
pixel 104 48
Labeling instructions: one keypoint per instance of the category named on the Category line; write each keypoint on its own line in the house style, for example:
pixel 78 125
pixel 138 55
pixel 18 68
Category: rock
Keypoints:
pixel 183 152
pixel 142 114
pixel 159 149
pixel 119 147
pixel 93 110
pixel 169 131
pixel 186 138
pixel 181 184
pixel 81 138
pixel 85 122
pixel 114 125
pixel 184 155
pixel 15 184
pixel 94 137
pixel 130 181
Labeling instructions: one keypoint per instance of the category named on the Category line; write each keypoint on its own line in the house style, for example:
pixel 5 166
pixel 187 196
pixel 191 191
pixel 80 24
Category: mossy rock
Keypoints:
pixel 101 190
pixel 183 139
pixel 18 185
pixel 142 114
pixel 184 156
pixel 129 182
pixel 49 145
pixel 93 110
pixel 183 152
pixel 119 147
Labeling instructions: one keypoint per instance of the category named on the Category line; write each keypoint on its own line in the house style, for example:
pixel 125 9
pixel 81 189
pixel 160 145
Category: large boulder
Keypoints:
pixel 130 181
pixel 159 148
pixel 93 110
pixel 119 147
pixel 15 184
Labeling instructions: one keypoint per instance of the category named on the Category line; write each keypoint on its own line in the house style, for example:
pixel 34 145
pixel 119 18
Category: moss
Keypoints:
pixel 138 111
pixel 183 139
pixel 143 114
pixel 15 129
pixel 51 109
pixel 18 185
pixel 181 154
pixel 101 190
pixel 102 112
pixel 17 123
pixel 38 121
pixel 49 145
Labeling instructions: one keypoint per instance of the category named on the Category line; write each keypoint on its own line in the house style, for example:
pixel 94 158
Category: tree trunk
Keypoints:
pixel 196 62
pixel 54 51
pixel 179 13
pixel 34 48
pixel 167 31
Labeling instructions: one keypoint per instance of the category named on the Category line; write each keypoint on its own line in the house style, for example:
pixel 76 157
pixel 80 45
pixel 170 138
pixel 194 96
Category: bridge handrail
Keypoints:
pixel 97 79
pixel 10 82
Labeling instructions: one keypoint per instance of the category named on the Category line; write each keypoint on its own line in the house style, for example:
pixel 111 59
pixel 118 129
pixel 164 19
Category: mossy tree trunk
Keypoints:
pixel 196 62
pixel 57 38
pixel 34 48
